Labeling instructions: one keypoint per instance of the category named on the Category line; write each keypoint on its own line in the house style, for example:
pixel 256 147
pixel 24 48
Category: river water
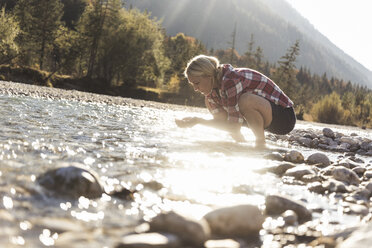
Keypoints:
pixel 139 147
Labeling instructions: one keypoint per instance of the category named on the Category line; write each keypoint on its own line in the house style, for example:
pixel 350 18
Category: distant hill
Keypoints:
pixel 274 24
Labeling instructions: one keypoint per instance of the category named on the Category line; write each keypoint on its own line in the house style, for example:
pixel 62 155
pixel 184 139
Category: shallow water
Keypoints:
pixel 139 147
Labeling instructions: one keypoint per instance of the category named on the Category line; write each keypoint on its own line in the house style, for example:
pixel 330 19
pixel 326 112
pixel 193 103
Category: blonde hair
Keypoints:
pixel 204 66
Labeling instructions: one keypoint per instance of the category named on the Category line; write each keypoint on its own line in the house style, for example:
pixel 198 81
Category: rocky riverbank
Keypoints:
pixel 345 179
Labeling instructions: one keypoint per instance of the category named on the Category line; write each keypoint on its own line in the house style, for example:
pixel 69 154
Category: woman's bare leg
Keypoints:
pixel 258 114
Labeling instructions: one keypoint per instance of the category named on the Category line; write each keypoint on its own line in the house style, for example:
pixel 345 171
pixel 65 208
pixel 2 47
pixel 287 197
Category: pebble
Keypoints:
pixel 189 230
pixel 294 156
pixel 281 168
pixel 235 221
pixel 290 217
pixel 149 240
pixel 72 181
pixel 328 133
pixel 361 238
pixel 299 171
pixel 318 158
pixel 345 175
pixel 277 204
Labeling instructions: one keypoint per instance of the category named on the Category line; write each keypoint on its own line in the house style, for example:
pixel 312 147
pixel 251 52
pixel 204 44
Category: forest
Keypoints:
pixel 106 47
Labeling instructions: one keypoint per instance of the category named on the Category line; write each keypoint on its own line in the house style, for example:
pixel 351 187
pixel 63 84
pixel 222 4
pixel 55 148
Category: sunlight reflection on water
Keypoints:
pixel 198 168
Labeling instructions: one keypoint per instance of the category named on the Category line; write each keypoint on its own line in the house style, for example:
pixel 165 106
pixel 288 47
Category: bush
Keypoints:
pixel 329 110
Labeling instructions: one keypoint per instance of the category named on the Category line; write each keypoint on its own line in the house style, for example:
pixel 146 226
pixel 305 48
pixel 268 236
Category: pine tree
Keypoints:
pixel 39 21
pixel 9 30
pixel 285 75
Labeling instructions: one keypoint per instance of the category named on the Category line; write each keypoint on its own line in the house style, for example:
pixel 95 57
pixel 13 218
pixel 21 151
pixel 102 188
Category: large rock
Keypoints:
pixel 299 171
pixel 241 220
pixel 276 204
pixel 149 240
pixel 294 156
pixel 72 181
pixel 345 175
pixel 328 133
pixel 361 238
pixel 318 158
pixel 190 231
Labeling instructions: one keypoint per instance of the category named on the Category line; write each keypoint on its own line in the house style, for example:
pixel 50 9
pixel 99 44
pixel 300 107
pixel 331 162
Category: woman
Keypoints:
pixel 236 96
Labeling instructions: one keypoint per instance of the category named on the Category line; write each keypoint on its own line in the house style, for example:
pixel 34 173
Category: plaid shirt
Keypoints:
pixel 235 82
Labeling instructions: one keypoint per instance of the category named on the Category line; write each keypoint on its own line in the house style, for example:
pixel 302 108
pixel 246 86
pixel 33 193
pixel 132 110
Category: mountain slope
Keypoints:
pixel 274 24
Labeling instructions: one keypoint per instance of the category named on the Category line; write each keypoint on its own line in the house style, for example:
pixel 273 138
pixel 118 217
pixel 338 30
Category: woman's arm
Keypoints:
pixel 219 123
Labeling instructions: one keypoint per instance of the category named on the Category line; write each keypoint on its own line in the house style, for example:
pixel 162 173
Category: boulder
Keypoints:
pixel 190 231
pixel 72 181
pixel 277 204
pixel 241 220
pixel 299 171
pixel 361 238
pixel 345 175
pixel 318 158
pixel 328 133
pixel 149 240
pixel 294 156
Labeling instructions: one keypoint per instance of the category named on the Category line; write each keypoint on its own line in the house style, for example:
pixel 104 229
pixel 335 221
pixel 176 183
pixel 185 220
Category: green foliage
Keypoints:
pixel 329 110
pixel 9 30
pixel 121 46
pixel 39 21
pixel 285 75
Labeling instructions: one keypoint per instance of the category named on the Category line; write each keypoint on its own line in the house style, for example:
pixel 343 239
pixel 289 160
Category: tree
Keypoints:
pixel 232 43
pixel 39 21
pixel 285 75
pixel 9 30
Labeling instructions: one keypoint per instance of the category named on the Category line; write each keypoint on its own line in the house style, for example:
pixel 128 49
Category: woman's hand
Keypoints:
pixel 187 122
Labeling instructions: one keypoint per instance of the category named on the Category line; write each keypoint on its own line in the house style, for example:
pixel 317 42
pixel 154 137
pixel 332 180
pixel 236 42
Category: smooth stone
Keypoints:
pixel 328 133
pixel 274 156
pixel 221 243
pixel 72 181
pixel 316 187
pixel 345 175
pixel 149 240
pixel 294 157
pixel 299 171
pixel 281 169
pixel 240 221
pixel 290 217
pixel 368 174
pixel 305 141
pixel 359 170
pixel 276 204
pixel 190 231
pixel 361 238
pixel 348 140
pixel 334 186
pixel 369 186
pixel 318 158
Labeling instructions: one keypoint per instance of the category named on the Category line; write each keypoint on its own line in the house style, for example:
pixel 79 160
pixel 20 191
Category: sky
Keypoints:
pixel 346 23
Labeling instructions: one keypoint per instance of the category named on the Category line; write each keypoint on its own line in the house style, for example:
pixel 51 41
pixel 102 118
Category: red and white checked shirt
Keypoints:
pixel 235 82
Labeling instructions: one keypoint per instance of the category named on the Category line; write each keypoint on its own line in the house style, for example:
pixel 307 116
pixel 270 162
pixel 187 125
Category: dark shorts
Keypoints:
pixel 284 119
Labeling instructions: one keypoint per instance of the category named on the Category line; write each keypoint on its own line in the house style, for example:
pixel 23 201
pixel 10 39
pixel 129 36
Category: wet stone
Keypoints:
pixel 281 168
pixel 149 240
pixel 276 204
pixel 299 171
pixel 334 186
pixel 359 170
pixel 222 243
pixel 190 231
pixel 368 174
pixel 236 221
pixel 318 158
pixel 294 156
pixel 345 175
pixel 327 132
pixel 290 217
pixel 316 187
pixel 274 156
pixel 72 181
pixel 361 238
